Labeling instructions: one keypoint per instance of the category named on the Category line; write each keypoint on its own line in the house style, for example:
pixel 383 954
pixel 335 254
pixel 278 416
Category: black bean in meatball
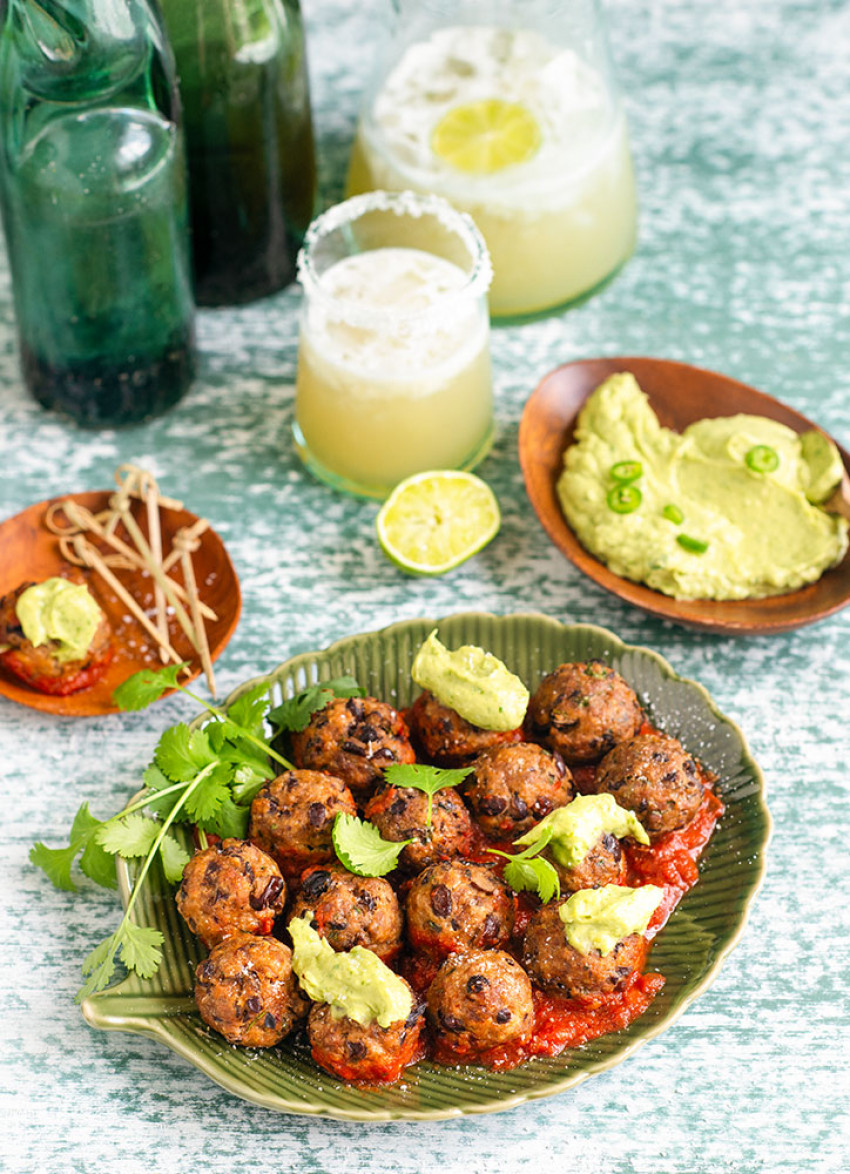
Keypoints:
pixel 228 888
pixel 455 905
pixel 354 739
pixel 605 864
pixel 401 813
pixel 514 786
pixel 444 738
pixel 479 1000
pixel 292 818
pixel 560 969
pixel 246 991
pixel 351 910
pixel 655 777
pixel 582 710
pixel 371 1054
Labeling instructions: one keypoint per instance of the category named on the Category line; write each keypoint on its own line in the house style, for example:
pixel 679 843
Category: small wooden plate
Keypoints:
pixel 31 551
pixel 679 394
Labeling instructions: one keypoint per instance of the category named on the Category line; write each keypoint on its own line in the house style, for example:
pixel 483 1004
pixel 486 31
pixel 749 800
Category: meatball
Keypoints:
pixel 455 905
pixel 515 786
pixel 655 777
pixel 401 813
pixel 560 969
pixel 351 910
pixel 229 888
pixel 445 738
pixel 582 710
pixel 292 817
pixel 41 667
pixel 372 1054
pixel 354 739
pixel 246 991
pixel 478 1001
pixel 605 864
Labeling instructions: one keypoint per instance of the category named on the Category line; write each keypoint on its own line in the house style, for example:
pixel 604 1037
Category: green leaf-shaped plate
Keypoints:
pixel 689 951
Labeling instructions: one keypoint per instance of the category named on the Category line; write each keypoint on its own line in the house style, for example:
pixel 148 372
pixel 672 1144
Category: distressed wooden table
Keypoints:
pixel 740 123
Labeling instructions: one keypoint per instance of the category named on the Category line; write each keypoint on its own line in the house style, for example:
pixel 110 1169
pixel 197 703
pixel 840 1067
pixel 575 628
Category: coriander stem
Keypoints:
pixel 144 801
pixel 213 709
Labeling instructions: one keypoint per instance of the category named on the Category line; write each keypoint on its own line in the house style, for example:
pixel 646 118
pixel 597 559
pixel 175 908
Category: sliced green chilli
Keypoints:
pixel 626 471
pixel 673 514
pixel 692 545
pixel 624 498
pixel 762 459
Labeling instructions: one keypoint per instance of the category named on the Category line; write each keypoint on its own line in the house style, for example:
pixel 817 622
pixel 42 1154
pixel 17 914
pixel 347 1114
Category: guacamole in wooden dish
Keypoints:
pixel 728 509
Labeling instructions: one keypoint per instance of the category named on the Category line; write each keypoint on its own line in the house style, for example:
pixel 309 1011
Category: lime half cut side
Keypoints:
pixel 486 136
pixel 433 522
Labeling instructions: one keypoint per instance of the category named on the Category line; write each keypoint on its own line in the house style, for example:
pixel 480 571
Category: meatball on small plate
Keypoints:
pixel 688 952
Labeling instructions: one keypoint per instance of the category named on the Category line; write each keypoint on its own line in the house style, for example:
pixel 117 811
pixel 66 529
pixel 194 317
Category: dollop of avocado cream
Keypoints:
pixel 577 827
pixel 61 611
pixel 737 532
pixel 356 984
pixel 596 919
pixel 473 683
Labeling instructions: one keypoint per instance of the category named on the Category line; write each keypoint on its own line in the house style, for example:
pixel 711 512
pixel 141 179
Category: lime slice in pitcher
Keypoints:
pixel 433 522
pixel 485 136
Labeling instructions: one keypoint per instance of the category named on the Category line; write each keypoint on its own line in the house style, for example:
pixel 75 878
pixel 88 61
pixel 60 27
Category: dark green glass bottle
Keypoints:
pixel 252 179
pixel 93 197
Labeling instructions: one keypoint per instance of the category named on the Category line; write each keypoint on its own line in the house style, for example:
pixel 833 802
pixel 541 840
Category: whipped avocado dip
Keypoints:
pixel 578 826
pixel 596 919
pixel 725 510
pixel 59 611
pixel 356 984
pixel 473 683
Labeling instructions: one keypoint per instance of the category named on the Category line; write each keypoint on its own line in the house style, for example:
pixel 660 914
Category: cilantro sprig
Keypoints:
pixel 294 714
pixel 362 849
pixel 528 871
pixel 429 779
pixel 205 778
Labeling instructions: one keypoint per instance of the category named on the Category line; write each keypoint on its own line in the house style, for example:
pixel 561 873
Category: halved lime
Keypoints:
pixel 433 522
pixel 485 136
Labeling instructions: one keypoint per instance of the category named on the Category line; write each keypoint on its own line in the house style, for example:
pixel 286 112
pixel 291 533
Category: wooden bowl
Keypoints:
pixel 679 394
pixel 31 552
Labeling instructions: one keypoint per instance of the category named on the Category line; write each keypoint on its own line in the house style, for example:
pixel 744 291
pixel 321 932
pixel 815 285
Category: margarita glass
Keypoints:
pixel 393 358
pixel 510 111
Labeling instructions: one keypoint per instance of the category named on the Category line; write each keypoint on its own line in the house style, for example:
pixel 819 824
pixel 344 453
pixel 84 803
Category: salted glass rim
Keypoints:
pixel 407 203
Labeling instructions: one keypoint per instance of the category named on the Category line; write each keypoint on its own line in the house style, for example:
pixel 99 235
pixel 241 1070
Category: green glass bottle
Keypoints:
pixel 94 205
pixel 249 139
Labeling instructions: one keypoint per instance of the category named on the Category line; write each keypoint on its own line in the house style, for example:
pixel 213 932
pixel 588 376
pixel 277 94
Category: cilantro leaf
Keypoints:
pixel 98 865
pixel 174 859
pixel 211 793
pixel 249 711
pixel 536 875
pixel 141 948
pixel 182 753
pixel 148 685
pixel 229 821
pixel 98 967
pixel 56 862
pixel 131 836
pixel 362 849
pixel 247 780
pixel 429 779
pixel 295 713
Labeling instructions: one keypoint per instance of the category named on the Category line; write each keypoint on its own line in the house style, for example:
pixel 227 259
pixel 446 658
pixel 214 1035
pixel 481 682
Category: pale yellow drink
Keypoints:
pixel 557 223
pixel 393 370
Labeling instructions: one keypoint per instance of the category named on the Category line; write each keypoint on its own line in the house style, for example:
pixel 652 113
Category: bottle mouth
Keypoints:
pixel 334 235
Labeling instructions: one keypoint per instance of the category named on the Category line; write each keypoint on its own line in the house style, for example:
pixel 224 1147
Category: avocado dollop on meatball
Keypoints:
pixel 582 710
pixel 246 991
pixel 655 777
pixel 231 887
pixel 445 738
pixel 364 1052
pixel 560 969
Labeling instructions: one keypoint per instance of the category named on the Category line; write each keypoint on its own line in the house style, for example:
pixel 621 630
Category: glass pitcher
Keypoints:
pixel 509 109
pixel 93 197
pixel 249 139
